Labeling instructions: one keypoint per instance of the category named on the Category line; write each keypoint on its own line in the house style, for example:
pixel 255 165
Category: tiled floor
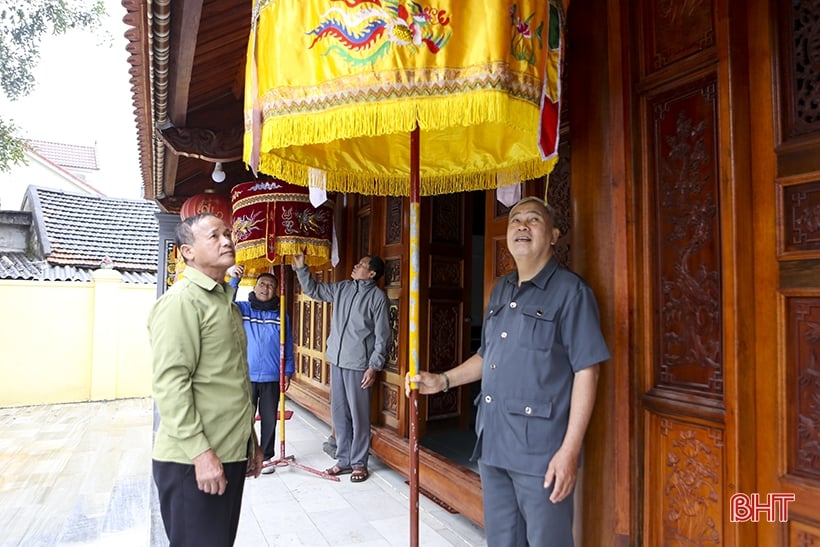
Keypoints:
pixel 79 475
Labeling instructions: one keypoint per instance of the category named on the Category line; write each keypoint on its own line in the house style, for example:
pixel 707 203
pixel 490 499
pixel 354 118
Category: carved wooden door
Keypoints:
pixel 687 269
pixel 444 250
pixel 789 397
pixel 727 269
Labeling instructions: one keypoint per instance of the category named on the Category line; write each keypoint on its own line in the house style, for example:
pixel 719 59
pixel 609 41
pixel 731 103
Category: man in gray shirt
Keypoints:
pixel 541 346
pixel 357 350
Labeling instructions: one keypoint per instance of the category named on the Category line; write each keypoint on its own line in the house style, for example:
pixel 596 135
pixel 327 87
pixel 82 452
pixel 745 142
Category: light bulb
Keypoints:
pixel 218 175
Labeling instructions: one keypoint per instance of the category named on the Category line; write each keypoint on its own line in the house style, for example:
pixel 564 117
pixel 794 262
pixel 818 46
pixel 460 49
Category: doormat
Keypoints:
pixel 435 500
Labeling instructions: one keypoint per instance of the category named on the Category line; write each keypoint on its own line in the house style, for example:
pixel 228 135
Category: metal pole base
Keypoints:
pixel 289 461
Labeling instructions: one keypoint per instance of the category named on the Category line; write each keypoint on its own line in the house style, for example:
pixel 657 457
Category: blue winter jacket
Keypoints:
pixel 262 330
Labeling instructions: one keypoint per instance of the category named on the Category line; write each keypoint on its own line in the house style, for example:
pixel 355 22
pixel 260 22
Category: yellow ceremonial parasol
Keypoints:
pixel 334 89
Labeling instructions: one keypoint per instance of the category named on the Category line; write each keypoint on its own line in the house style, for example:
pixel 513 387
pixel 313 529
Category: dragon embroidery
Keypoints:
pixel 364 30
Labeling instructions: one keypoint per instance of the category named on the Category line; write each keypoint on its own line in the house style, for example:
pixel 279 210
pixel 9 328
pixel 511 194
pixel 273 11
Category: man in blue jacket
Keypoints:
pixel 262 319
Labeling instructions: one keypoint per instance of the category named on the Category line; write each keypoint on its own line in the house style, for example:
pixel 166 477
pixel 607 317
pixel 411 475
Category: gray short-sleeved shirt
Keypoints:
pixel 535 338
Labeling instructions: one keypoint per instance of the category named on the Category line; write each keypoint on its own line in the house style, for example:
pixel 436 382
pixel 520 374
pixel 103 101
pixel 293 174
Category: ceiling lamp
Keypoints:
pixel 218 175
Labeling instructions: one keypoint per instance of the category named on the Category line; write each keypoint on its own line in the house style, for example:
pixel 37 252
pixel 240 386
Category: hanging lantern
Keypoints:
pixel 207 202
pixel 273 219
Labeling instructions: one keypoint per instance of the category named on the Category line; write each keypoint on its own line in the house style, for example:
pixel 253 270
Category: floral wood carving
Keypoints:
pixel 444 354
pixel 676 30
pixel 364 237
pixel 306 307
pixel 318 365
pixel 504 262
pixel 393 346
pixel 445 273
pixel 392 272
pixel 559 192
pixel 688 245
pixel 805 391
pixel 390 399
pixel 691 508
pixel 447 218
pixel 319 334
pixel 394 220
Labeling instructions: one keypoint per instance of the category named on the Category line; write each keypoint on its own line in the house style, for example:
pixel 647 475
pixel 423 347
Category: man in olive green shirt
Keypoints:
pixel 205 444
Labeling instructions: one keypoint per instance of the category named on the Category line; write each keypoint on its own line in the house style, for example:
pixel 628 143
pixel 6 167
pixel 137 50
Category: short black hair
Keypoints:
pixel 268 274
pixel 376 265
pixel 184 233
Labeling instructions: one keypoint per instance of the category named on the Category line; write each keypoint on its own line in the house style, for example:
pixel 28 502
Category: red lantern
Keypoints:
pixel 217 204
pixel 273 219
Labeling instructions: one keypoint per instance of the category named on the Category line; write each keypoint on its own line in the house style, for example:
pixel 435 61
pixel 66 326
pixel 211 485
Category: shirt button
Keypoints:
pixel 492 366
pixel 513 304
pixel 504 334
pixel 488 399
pixel 528 410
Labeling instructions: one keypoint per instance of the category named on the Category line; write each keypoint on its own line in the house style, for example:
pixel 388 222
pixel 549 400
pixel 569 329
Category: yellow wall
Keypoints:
pixel 68 342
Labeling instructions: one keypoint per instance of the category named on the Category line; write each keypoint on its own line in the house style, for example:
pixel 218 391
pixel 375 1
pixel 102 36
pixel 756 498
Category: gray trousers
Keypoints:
pixel 350 412
pixel 518 512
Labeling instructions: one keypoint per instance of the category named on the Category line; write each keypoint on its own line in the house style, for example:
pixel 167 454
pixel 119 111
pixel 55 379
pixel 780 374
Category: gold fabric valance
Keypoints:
pixel 334 87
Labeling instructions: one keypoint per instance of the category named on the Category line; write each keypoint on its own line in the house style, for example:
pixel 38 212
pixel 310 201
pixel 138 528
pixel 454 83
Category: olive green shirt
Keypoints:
pixel 200 372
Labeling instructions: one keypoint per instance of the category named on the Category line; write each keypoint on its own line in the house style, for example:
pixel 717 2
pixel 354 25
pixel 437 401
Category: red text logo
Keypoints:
pixel 749 507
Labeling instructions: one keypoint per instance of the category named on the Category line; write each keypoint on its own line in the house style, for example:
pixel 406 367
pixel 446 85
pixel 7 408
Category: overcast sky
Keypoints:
pixel 83 96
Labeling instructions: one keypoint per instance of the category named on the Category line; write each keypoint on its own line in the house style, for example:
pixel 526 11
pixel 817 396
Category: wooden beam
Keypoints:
pixel 206 144
pixel 185 18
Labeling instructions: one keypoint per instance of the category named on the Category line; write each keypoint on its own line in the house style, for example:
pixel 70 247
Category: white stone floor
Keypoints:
pixel 79 475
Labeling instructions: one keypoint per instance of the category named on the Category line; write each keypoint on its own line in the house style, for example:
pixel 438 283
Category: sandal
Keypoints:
pixel 336 470
pixel 359 474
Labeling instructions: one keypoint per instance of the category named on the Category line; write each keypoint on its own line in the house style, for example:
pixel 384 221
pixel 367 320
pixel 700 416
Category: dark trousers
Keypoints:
pixel 265 397
pixel 193 518
pixel 518 512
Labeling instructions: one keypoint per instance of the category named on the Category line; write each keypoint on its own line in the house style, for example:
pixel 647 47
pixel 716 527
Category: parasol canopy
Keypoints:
pixel 333 88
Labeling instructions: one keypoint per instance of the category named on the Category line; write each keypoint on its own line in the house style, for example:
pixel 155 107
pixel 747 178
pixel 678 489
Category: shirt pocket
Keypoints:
pixel 532 425
pixel 538 327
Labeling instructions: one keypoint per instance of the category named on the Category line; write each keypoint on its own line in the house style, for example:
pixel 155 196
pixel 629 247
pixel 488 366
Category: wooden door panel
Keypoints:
pixel 685 327
pixel 797 189
pixel 684 462
pixel 680 212
pixel 684 203
pixel 390 236
pixel 447 247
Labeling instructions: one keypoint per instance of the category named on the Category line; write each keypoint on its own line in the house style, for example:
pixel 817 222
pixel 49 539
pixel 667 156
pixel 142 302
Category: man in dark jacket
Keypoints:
pixel 262 321
pixel 357 350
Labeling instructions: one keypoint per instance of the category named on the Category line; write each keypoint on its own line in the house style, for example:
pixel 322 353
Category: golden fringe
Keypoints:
pixel 254 256
pixel 384 117
pixel 368 184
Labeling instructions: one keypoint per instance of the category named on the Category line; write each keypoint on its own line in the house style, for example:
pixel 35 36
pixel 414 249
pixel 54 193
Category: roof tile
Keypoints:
pixel 67 155
pixel 82 230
